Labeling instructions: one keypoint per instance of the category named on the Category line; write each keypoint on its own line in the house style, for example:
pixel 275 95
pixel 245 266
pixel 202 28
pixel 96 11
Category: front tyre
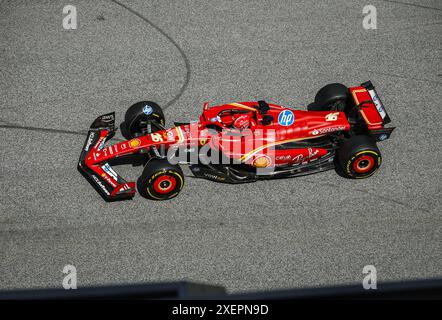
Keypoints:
pixel 359 157
pixel 136 117
pixel 160 180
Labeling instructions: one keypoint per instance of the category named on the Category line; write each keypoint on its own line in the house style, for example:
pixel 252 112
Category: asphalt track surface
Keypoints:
pixel 309 231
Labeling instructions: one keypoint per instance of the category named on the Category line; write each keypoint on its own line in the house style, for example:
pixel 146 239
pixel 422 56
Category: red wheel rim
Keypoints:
pixel 363 164
pixel 164 184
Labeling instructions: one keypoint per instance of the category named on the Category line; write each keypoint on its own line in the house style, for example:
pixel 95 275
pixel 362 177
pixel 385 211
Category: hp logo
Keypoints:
pixel 286 118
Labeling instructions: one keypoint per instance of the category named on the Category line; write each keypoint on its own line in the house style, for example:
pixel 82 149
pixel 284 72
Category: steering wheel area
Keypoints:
pixel 237 119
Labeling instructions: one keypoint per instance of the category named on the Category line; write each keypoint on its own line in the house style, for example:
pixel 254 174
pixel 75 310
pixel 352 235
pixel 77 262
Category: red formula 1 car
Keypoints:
pixel 239 142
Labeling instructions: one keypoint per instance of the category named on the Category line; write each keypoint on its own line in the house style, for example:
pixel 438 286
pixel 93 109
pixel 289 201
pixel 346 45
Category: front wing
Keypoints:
pixel 102 177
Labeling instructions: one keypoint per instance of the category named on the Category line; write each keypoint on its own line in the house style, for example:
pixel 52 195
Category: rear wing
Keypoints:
pixel 372 110
pixel 377 101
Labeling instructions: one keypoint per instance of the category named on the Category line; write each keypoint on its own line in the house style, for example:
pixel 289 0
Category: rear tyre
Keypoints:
pixel 358 157
pixel 136 117
pixel 160 180
pixel 332 97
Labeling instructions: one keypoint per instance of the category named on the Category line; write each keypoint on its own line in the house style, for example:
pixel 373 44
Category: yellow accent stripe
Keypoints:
pixel 362 111
pixel 148 191
pixel 239 105
pixel 180 134
pixel 249 154
pixel 373 152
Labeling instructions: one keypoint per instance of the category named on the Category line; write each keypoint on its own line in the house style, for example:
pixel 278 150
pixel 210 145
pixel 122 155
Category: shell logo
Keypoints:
pixel 134 143
pixel 261 162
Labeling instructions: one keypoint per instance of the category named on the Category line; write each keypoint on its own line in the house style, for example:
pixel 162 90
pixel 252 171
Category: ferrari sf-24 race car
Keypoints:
pixel 239 142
